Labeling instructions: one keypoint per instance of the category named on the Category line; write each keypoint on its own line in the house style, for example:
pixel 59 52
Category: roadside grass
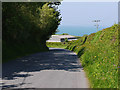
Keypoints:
pixel 98 54
pixel 57 44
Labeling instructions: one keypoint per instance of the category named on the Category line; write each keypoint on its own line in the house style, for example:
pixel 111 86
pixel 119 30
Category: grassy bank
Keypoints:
pixel 57 44
pixel 98 53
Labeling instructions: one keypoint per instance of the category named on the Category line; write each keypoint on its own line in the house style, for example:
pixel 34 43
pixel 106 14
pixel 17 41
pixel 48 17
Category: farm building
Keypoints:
pixel 61 38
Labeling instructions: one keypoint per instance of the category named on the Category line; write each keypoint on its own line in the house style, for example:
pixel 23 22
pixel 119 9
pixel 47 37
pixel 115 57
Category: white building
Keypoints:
pixel 61 38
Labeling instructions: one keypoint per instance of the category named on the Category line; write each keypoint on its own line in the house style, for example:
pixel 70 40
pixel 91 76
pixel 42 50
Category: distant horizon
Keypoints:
pixel 80 16
pixel 83 26
pixel 78 30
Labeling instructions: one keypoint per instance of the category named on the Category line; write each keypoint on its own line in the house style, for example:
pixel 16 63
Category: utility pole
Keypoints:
pixel 97 25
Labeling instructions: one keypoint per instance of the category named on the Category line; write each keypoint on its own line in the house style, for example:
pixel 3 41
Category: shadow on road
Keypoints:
pixel 55 59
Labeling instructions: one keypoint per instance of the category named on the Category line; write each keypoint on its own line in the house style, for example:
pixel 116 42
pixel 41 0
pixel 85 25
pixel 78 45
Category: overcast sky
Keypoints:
pixel 83 13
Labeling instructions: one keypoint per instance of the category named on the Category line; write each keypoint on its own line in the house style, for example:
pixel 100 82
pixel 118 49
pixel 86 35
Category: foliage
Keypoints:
pixel 49 20
pixel 19 50
pixel 28 22
pixel 98 54
pixel 66 40
pixel 65 34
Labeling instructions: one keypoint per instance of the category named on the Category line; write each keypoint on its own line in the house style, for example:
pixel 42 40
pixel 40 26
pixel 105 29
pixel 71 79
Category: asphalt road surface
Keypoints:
pixel 57 68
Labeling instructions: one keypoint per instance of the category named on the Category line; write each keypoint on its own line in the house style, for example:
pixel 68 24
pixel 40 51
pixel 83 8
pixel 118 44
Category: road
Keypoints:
pixel 57 68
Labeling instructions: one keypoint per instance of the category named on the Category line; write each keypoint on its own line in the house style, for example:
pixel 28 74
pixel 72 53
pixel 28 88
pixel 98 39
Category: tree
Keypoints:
pixel 65 34
pixel 35 21
pixel 27 25
pixel 49 20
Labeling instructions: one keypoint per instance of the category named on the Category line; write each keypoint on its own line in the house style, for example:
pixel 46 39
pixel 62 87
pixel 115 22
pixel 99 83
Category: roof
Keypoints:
pixel 63 36
pixel 57 38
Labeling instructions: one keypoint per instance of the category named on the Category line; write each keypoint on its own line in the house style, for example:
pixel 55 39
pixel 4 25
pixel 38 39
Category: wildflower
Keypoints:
pixel 114 65
pixel 98 64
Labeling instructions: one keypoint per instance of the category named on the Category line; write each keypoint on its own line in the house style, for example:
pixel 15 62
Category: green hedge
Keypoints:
pixel 12 51
pixel 26 26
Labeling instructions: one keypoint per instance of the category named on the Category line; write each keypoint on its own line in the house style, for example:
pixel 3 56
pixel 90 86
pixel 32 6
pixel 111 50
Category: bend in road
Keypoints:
pixel 57 68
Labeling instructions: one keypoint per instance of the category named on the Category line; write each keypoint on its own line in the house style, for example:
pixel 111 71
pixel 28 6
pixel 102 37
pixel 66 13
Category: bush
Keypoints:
pixel 65 34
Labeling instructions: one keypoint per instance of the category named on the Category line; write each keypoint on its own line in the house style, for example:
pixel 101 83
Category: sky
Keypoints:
pixel 60 0
pixel 83 13
pixel 90 0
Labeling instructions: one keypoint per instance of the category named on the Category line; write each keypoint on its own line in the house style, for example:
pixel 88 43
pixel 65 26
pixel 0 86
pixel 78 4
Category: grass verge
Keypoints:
pixel 57 44
pixel 98 54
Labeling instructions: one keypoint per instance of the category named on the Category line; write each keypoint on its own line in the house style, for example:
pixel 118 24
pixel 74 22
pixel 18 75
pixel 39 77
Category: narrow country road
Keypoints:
pixel 57 68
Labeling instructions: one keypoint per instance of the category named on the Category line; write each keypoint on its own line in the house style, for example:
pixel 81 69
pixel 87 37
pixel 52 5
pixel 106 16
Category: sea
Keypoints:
pixel 78 30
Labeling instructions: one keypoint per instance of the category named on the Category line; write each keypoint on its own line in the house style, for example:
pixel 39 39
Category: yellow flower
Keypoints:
pixel 98 64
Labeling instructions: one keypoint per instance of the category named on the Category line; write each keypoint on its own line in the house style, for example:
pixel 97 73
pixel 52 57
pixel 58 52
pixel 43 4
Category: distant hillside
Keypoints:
pixel 98 53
